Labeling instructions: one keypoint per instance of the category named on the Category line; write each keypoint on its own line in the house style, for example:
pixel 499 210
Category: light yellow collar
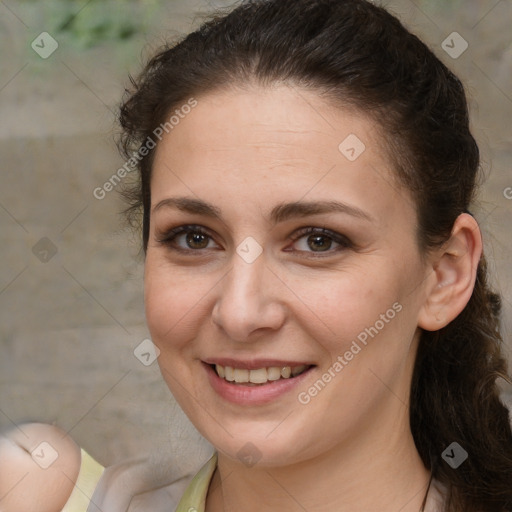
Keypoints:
pixel 88 477
pixel 194 497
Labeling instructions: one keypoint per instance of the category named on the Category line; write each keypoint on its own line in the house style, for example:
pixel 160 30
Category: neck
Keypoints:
pixel 381 472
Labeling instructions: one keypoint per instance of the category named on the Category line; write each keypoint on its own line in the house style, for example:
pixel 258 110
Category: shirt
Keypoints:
pixel 192 500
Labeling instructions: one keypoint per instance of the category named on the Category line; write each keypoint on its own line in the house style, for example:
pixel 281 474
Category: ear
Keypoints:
pixel 453 268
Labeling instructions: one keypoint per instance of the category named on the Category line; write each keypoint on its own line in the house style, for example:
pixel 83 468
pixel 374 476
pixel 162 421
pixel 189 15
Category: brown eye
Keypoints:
pixel 186 239
pixel 196 240
pixel 320 240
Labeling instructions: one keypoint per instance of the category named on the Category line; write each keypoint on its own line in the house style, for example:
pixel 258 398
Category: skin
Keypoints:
pixel 245 151
pixel 26 486
pixel 349 448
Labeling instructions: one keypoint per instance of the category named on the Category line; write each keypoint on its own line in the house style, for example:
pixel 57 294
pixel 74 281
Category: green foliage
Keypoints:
pixel 91 23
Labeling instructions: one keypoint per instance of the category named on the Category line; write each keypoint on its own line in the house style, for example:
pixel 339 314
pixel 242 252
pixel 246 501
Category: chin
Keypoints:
pixel 256 447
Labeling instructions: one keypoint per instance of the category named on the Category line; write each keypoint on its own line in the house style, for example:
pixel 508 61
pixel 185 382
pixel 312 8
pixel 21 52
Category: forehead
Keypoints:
pixel 274 117
pixel 258 142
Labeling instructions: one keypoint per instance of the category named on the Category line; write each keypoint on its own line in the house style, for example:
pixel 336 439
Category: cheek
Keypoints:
pixel 368 306
pixel 172 302
pixel 349 300
pixel 173 305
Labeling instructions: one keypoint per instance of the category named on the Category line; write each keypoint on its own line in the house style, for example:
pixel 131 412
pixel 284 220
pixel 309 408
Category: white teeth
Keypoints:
pixel 258 376
pixel 286 371
pixel 229 373
pixel 274 373
pixel 220 370
pixel 241 375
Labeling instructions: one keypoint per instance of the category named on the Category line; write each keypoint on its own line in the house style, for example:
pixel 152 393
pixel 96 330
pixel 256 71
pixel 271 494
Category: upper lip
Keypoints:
pixel 253 364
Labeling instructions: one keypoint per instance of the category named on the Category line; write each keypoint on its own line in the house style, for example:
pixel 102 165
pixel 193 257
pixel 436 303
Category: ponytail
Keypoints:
pixel 455 398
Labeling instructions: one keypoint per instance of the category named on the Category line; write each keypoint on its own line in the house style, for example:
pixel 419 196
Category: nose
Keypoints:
pixel 249 300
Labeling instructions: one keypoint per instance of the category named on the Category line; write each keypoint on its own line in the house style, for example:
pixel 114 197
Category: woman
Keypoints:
pixel 314 280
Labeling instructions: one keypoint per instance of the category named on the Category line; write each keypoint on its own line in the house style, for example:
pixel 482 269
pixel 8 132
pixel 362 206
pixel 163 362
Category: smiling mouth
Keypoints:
pixel 259 376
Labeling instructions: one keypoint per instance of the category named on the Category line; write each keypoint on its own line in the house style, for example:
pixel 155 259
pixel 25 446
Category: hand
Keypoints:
pixel 39 465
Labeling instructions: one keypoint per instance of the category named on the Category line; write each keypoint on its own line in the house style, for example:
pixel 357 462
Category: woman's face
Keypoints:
pixel 294 252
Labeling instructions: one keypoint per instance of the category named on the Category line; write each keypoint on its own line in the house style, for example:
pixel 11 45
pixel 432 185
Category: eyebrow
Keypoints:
pixel 280 212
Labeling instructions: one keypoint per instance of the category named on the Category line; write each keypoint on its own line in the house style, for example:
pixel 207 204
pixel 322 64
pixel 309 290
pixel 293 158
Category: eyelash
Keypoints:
pixel 170 236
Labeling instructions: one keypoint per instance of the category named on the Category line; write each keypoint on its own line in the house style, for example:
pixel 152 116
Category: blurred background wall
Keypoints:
pixel 71 303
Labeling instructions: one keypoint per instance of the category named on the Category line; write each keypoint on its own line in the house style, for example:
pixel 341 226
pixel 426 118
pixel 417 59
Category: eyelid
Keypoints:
pixel 342 240
pixel 164 234
pixel 167 237
pixel 298 233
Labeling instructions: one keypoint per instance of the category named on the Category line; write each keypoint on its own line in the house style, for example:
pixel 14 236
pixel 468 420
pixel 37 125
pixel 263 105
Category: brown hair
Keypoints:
pixel 357 54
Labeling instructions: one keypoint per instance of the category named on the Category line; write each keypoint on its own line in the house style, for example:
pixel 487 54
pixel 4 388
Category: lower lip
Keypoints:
pixel 252 395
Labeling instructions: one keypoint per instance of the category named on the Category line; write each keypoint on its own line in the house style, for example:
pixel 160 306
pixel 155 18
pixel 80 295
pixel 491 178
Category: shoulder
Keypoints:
pixel 140 485
pixel 39 465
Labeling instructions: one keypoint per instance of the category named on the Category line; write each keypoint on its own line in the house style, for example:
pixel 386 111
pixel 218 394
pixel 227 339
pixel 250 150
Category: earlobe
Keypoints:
pixel 453 268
